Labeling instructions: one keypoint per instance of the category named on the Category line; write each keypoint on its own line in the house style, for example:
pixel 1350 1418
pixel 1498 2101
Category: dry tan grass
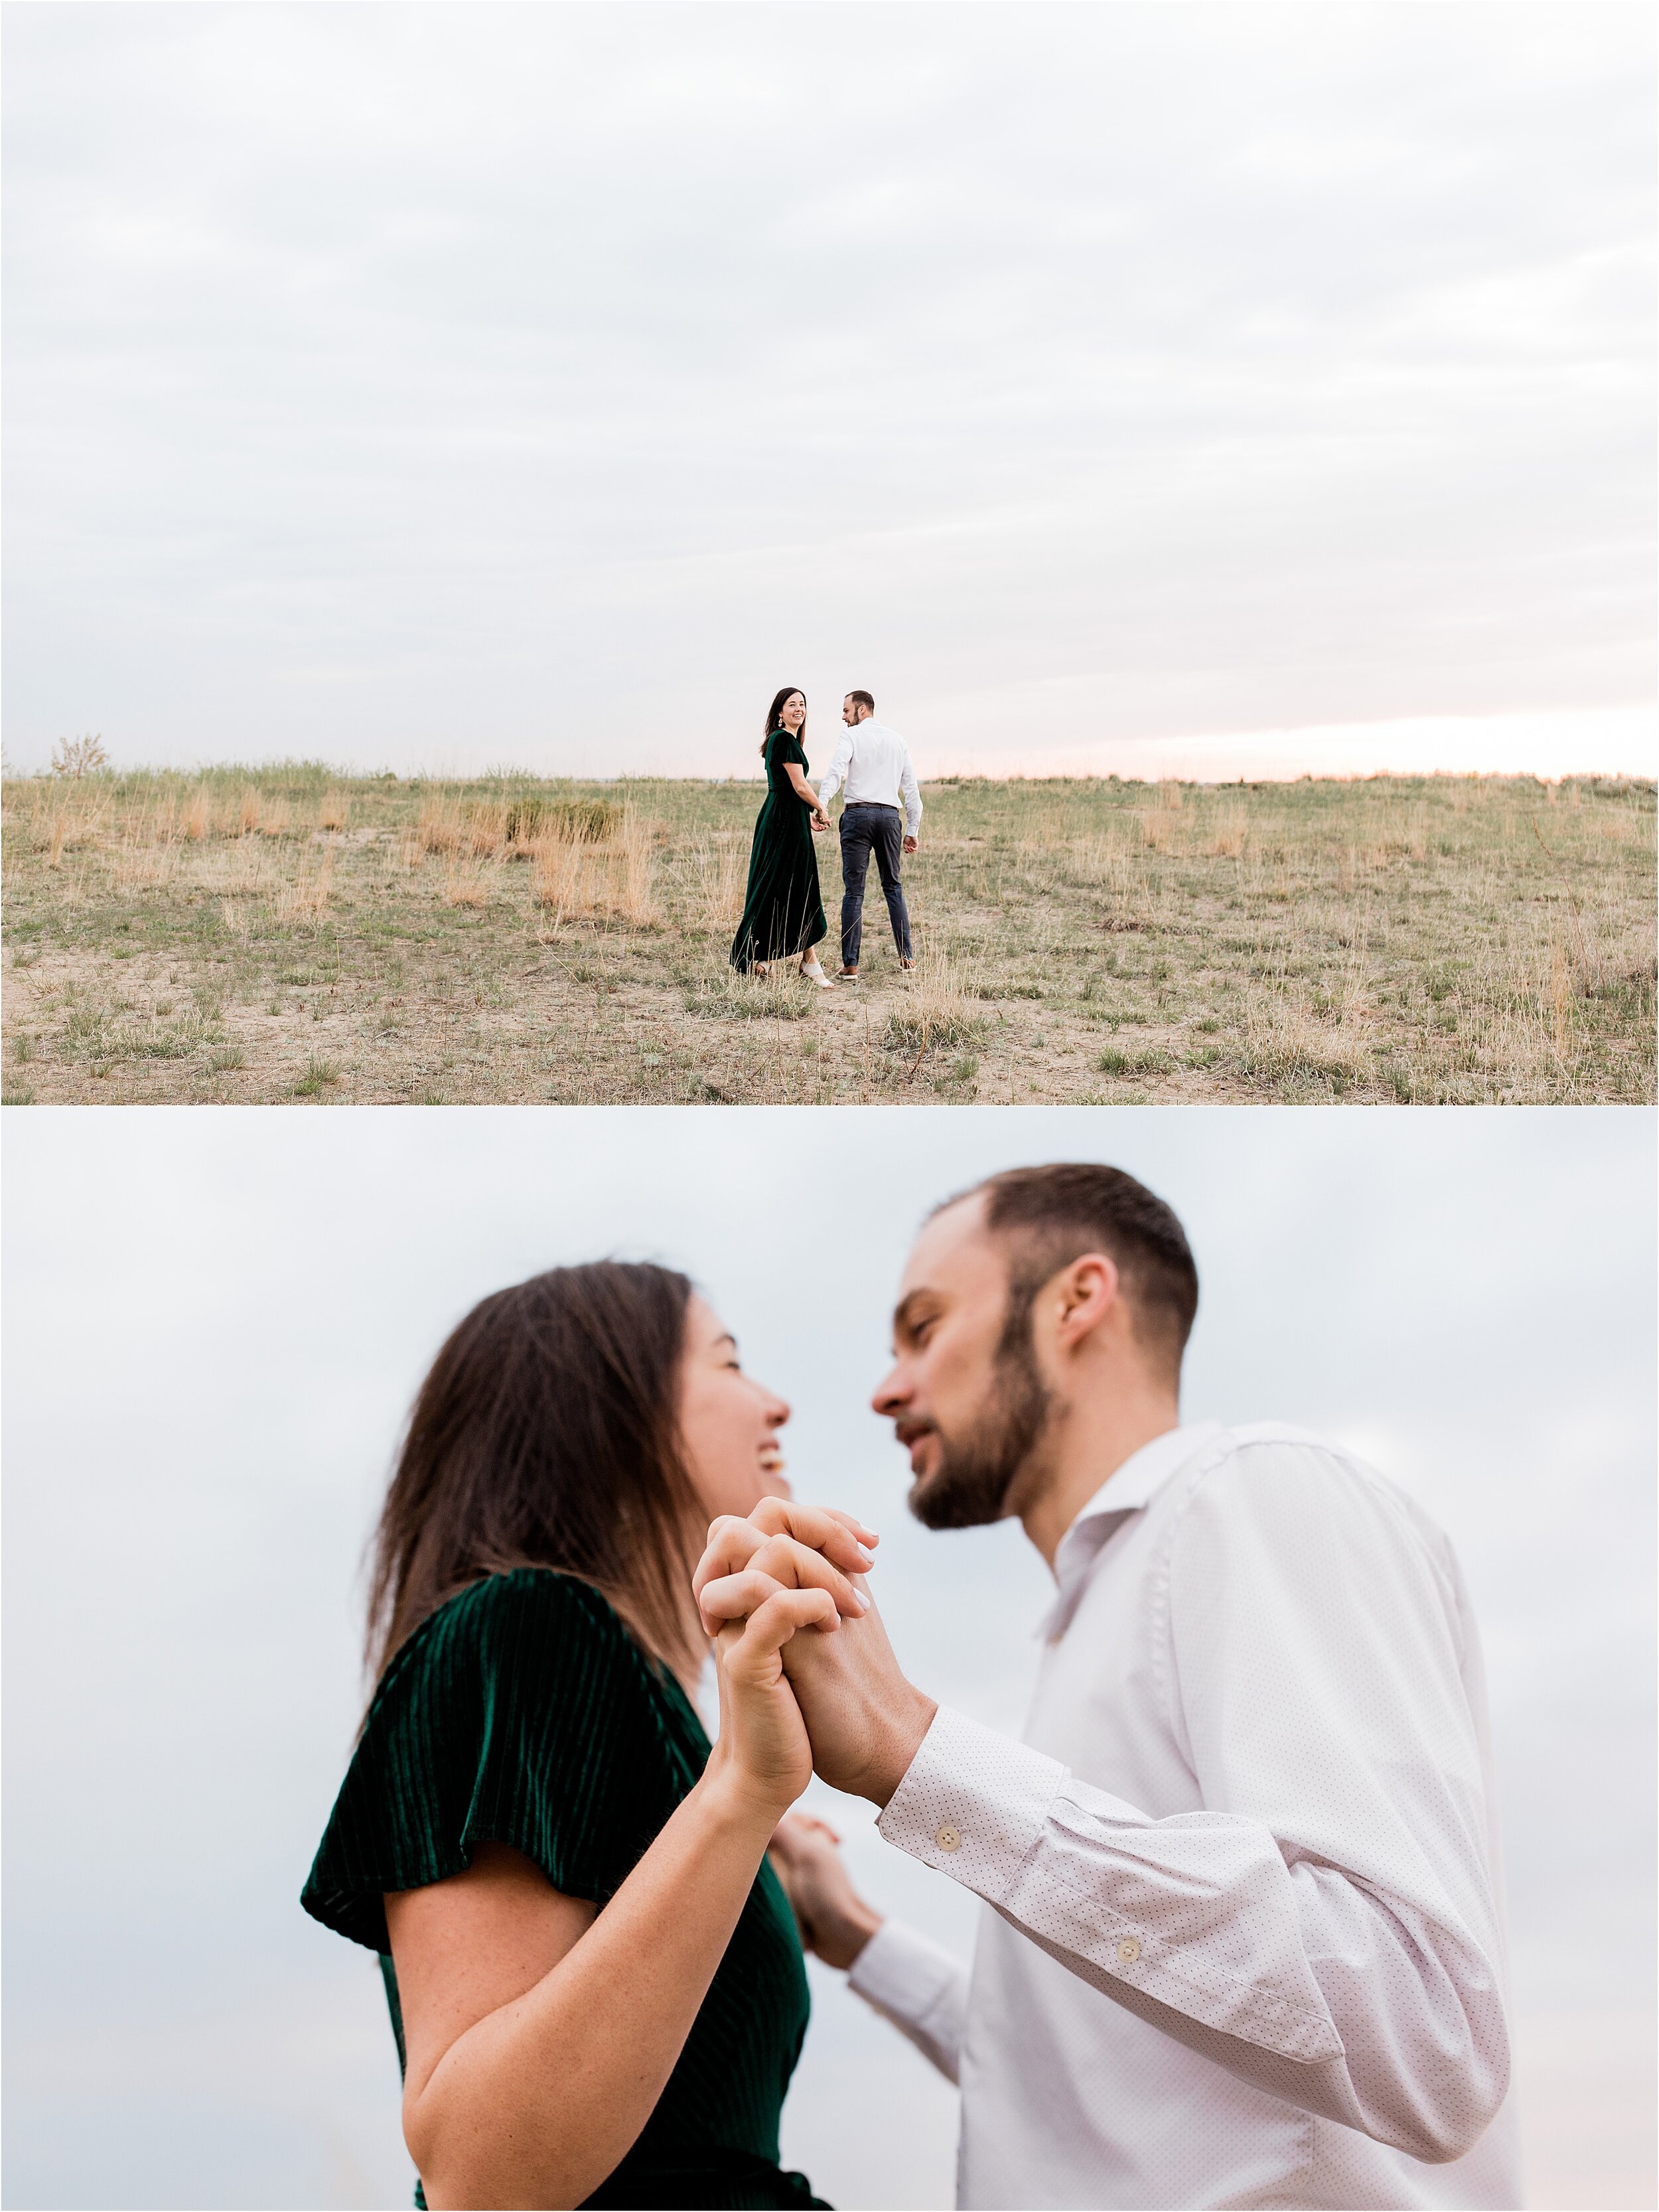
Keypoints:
pixel 307 897
pixel 1448 940
pixel 465 883
pixel 440 827
pixel 612 879
pixel 722 877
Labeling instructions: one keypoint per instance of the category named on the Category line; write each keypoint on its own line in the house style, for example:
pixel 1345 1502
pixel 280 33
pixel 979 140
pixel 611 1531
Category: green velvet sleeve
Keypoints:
pixel 522 1712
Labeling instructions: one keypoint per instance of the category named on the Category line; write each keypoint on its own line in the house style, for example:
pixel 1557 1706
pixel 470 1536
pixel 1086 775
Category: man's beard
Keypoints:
pixel 974 1478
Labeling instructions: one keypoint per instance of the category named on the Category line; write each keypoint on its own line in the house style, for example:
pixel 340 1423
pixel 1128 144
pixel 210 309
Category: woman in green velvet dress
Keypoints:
pixel 783 914
pixel 594 1977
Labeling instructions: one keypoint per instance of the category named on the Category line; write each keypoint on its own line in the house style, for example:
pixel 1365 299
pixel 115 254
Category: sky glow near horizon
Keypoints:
pixel 1198 391
pixel 198 1429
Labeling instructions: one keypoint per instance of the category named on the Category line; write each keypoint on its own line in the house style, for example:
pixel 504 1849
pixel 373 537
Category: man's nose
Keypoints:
pixel 889 1393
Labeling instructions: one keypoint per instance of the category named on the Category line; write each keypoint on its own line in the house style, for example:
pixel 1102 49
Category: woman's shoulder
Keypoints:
pixel 520 1710
pixel 521 1622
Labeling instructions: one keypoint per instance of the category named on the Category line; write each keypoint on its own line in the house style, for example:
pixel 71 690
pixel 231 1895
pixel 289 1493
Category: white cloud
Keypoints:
pixel 452 384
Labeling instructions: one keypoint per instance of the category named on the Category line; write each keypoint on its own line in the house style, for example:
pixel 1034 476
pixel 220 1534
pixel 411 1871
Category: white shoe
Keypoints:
pixel 814 974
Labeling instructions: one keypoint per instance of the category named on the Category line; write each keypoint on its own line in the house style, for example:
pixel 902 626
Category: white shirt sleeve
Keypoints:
pixel 839 763
pixel 1325 1926
pixel 912 791
pixel 919 1986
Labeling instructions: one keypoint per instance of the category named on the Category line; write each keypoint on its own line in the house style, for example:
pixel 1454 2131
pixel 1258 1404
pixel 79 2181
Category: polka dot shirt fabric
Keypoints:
pixel 1244 1941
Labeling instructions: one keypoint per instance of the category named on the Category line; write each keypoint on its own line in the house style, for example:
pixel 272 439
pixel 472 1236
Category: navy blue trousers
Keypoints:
pixel 864 830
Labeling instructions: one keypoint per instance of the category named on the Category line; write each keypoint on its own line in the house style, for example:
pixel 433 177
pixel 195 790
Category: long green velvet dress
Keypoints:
pixel 523 1712
pixel 783 913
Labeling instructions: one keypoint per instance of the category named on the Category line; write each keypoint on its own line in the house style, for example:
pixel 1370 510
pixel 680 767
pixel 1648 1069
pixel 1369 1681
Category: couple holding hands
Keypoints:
pixel 783 909
pixel 1244 1942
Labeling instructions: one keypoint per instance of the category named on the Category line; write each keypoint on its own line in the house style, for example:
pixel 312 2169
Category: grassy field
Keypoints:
pixel 290 934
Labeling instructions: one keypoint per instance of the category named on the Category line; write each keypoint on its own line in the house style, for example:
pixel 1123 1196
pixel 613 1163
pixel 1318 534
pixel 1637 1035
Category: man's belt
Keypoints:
pixel 881 803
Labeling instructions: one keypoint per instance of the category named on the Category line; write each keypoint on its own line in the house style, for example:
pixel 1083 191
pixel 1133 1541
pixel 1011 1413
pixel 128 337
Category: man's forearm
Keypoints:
pixel 1199 1925
pixel 910 791
pixel 918 1986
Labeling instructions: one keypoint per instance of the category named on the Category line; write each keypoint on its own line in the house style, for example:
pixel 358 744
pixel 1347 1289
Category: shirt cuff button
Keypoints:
pixel 1128 1950
pixel 948 1839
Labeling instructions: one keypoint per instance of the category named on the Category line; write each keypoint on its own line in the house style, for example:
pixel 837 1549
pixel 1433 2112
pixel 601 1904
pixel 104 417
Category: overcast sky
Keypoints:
pixel 1163 389
pixel 215 1322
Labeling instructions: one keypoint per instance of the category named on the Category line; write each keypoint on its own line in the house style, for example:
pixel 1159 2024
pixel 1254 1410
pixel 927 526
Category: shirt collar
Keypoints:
pixel 1129 1491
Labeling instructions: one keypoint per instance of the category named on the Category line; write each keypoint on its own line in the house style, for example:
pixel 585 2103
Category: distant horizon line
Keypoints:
pixel 1547 745
pixel 507 772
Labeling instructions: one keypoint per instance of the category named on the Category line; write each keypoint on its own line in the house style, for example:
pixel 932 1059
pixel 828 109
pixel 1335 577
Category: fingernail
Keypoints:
pixel 860 1602
pixel 865 1559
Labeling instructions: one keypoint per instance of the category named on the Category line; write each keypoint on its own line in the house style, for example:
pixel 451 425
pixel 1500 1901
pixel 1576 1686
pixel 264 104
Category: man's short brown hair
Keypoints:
pixel 1050 1216
pixel 862 699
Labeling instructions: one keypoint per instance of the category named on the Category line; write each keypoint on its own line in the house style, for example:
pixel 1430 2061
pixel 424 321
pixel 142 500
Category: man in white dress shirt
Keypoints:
pixel 1244 1939
pixel 874 763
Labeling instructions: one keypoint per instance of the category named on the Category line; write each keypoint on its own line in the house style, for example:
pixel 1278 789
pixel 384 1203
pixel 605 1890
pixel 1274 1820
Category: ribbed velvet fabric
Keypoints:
pixel 523 1712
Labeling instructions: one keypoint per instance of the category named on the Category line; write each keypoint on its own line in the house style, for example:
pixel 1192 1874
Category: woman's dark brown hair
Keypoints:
pixel 547 1434
pixel 773 724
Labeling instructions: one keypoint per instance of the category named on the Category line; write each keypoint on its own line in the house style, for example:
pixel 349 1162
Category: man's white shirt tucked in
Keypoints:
pixel 1244 1940
pixel 874 763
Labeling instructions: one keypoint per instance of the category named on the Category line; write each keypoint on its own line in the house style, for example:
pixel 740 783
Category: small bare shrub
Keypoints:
pixel 79 757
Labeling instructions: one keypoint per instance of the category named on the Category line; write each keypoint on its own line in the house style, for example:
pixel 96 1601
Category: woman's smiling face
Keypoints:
pixel 728 1421
pixel 792 712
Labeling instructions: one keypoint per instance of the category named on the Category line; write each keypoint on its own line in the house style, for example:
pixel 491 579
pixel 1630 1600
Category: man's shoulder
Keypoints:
pixel 1251 1466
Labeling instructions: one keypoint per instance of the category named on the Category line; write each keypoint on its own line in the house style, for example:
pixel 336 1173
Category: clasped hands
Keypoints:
pixel 863 1720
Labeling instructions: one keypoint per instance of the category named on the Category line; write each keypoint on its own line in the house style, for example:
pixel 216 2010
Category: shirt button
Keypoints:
pixel 1128 1950
pixel 948 1839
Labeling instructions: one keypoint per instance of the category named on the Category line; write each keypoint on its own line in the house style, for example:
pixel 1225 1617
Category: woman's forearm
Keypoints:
pixel 538 2101
pixel 803 789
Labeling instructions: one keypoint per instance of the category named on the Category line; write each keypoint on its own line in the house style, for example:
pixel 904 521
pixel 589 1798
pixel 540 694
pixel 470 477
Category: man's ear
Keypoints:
pixel 1084 1293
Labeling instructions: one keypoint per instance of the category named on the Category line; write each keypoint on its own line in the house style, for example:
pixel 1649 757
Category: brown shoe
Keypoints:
pixel 847 975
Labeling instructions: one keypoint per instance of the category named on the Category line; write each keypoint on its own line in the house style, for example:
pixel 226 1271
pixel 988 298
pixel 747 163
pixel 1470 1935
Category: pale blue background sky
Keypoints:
pixel 1169 389
pixel 215 1325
